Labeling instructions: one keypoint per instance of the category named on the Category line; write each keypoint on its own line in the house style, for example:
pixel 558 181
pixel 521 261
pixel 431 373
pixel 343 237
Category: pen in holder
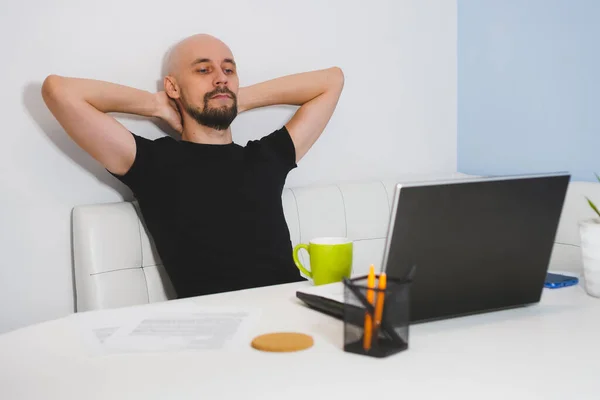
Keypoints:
pixel 376 316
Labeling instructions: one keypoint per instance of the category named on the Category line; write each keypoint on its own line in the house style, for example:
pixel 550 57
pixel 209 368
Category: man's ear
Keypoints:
pixel 171 87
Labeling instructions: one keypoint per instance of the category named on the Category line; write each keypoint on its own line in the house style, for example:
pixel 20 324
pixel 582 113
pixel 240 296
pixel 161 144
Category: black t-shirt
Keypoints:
pixel 215 211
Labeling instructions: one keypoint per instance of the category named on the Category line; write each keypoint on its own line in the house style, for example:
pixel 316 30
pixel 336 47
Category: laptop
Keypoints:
pixel 477 245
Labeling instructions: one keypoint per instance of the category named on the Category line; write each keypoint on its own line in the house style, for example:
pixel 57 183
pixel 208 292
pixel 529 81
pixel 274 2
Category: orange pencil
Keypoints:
pixel 380 299
pixel 368 319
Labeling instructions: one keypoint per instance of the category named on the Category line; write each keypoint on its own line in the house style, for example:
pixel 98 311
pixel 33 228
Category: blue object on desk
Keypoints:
pixel 555 281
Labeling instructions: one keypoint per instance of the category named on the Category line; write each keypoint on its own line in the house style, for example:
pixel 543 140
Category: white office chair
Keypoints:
pixel 116 263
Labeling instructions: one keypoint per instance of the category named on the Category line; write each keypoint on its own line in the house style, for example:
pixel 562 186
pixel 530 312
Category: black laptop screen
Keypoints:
pixel 477 245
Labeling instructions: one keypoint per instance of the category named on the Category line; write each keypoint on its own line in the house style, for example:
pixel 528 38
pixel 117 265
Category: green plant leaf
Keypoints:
pixel 597 177
pixel 593 206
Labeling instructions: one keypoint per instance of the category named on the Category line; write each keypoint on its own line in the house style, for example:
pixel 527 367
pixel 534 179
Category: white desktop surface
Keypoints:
pixel 547 351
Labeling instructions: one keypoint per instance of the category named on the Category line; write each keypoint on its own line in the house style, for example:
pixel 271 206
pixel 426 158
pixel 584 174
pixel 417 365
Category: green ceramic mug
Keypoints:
pixel 330 259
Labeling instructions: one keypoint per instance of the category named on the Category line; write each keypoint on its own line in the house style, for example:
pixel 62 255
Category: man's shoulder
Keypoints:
pixel 154 159
pixel 274 141
pixel 159 144
pixel 277 146
pixel 157 153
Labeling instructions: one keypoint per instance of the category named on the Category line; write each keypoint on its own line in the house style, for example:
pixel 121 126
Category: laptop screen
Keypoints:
pixel 477 245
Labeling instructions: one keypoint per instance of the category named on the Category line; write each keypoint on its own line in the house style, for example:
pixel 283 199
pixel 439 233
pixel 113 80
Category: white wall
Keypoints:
pixel 397 113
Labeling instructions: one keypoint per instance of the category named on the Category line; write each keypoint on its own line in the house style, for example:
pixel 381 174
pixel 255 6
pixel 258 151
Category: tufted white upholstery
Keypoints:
pixel 566 255
pixel 116 263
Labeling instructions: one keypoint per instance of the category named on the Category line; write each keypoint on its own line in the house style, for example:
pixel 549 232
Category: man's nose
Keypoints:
pixel 221 78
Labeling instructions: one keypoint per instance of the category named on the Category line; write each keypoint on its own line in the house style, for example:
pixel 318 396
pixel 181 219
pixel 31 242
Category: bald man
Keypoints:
pixel 213 207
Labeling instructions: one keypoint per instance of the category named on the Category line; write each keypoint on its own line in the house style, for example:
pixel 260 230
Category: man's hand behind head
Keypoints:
pixel 167 110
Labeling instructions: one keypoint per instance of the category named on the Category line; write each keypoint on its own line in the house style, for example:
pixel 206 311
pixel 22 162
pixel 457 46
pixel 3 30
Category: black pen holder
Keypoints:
pixel 376 321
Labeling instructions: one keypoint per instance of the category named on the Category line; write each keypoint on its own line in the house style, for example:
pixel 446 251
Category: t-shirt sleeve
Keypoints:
pixel 143 170
pixel 279 146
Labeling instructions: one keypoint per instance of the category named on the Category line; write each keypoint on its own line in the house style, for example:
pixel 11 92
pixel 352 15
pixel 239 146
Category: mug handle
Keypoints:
pixel 297 260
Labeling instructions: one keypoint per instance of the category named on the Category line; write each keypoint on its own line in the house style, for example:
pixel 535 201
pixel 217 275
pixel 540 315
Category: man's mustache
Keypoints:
pixel 220 90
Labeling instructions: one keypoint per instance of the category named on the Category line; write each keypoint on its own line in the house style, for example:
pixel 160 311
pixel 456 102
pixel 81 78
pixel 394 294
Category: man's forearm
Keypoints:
pixel 104 96
pixel 296 89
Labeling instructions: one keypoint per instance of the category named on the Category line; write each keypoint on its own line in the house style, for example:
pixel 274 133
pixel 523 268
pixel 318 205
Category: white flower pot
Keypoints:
pixel 589 231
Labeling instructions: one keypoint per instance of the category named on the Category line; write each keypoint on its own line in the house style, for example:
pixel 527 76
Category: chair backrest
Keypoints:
pixel 566 254
pixel 116 263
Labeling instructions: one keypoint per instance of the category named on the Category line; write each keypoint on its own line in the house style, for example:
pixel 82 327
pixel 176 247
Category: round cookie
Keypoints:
pixel 282 342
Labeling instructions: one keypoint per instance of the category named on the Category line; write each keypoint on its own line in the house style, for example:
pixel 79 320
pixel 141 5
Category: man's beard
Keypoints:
pixel 216 118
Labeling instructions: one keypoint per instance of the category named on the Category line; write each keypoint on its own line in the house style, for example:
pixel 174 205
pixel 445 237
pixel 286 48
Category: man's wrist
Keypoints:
pixel 156 106
pixel 242 100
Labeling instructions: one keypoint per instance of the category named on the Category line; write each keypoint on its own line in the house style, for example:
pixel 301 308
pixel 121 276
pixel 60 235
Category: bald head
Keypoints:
pixel 201 77
pixel 193 48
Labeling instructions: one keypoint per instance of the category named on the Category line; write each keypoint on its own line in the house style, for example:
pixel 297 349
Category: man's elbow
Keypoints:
pixel 52 85
pixel 337 77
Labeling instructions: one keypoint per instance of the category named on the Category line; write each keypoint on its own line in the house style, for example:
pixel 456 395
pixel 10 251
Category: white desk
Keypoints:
pixel 548 351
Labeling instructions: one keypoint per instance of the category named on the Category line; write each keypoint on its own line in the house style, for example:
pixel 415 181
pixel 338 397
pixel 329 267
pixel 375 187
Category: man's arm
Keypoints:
pixel 81 107
pixel 317 93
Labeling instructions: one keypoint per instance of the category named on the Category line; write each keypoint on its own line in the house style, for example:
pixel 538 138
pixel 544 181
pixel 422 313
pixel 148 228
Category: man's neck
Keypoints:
pixel 196 133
